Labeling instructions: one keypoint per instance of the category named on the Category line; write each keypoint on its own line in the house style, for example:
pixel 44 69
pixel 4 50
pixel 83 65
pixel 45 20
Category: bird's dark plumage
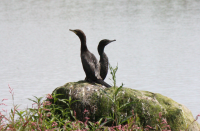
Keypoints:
pixel 103 57
pixel 90 64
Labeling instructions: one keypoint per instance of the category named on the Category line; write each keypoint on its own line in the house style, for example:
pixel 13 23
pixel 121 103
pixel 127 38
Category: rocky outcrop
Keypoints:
pixel 146 105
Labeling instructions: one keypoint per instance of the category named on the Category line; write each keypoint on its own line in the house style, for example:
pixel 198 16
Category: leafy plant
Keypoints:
pixel 116 116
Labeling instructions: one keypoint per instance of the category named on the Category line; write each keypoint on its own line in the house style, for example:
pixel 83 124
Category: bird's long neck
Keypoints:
pixel 83 42
pixel 101 50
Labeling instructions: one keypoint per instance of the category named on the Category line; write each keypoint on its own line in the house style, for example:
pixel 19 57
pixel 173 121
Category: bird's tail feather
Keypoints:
pixel 100 81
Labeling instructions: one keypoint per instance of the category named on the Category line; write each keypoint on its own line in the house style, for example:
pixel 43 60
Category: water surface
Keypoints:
pixel 157 47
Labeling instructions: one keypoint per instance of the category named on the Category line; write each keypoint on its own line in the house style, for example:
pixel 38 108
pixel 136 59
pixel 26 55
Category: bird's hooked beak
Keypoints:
pixel 111 41
pixel 73 31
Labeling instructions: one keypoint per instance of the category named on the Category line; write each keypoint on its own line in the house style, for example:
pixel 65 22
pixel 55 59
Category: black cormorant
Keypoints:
pixel 103 57
pixel 90 64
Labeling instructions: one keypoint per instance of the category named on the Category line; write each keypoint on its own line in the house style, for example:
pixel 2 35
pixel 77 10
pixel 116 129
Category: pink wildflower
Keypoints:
pixel 120 127
pixel 164 121
pixel 87 118
pixel 80 122
pixel 49 96
pixel 11 90
pixel 85 111
pixel 97 123
pixel 54 124
pixel 33 124
pixel 149 127
pixel 4 110
pixel 4 99
pixel 47 103
pixel 3 104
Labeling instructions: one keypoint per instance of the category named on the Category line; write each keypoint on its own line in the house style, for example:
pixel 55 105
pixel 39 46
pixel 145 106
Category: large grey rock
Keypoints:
pixel 146 105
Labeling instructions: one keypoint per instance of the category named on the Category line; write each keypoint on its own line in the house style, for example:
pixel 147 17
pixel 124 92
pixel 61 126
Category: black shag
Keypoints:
pixel 103 57
pixel 90 64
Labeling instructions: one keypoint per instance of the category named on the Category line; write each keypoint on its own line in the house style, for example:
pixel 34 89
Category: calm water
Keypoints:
pixel 157 47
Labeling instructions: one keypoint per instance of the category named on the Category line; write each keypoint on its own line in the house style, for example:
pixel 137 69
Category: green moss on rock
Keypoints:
pixel 146 105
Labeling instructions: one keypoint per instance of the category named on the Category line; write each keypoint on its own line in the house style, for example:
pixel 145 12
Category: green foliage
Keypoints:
pixel 116 116
pixel 113 72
